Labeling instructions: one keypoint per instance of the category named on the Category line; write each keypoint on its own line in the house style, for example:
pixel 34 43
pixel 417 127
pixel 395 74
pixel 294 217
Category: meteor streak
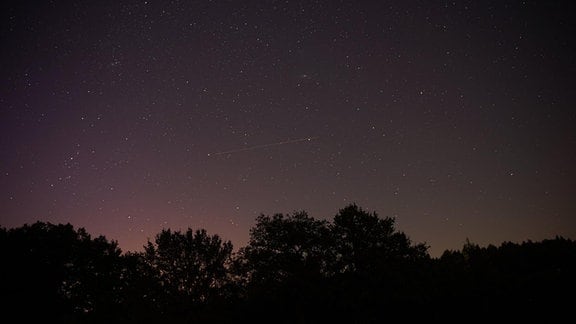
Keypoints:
pixel 251 148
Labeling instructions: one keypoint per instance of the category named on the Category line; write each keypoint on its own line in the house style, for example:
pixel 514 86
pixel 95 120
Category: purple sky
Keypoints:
pixel 457 118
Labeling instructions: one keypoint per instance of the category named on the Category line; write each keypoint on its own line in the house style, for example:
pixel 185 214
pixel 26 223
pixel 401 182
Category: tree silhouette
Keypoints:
pixel 343 266
pixel 191 268
pixel 286 246
pixel 59 273
pixel 380 273
pixel 295 269
pixel 365 242
pixel 284 265
pixel 528 281
pixel 141 291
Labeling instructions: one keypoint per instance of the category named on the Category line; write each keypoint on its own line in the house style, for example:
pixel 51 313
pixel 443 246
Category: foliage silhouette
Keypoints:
pixel 191 269
pixel 529 281
pixel 282 246
pixel 295 269
pixel 59 273
pixel 298 262
pixel 366 242
pixel 284 266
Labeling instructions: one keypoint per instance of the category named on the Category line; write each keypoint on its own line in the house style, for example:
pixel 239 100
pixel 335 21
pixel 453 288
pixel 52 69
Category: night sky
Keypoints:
pixel 126 117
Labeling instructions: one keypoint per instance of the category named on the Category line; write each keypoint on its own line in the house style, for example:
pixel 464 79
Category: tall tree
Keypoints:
pixel 283 246
pixel 191 267
pixel 285 265
pixel 380 274
pixel 365 242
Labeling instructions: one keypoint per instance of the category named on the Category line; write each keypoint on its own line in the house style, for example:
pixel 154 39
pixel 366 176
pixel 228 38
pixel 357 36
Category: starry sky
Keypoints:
pixel 126 117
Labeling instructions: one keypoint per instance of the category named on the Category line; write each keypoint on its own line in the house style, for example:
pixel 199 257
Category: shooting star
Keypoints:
pixel 257 147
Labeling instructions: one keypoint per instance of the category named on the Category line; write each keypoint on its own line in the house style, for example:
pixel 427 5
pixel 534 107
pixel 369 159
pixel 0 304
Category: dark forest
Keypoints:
pixel 357 268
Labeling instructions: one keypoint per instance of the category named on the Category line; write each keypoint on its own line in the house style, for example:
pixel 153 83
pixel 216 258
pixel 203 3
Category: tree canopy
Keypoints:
pixel 356 267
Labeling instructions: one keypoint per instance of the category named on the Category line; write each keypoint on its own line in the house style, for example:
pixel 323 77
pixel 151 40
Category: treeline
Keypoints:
pixel 295 269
